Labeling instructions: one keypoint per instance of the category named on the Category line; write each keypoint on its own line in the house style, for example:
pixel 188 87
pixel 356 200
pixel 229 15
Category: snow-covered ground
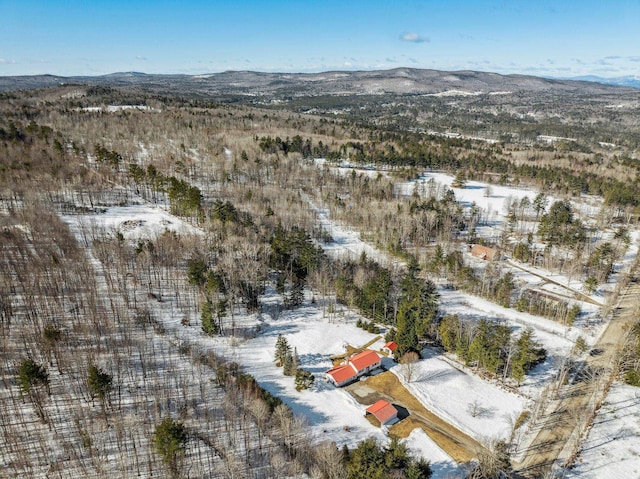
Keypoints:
pixel 346 243
pixel 557 339
pixel 442 465
pixel 612 448
pixel 451 392
pixel 116 108
pixel 332 413
pixel 139 222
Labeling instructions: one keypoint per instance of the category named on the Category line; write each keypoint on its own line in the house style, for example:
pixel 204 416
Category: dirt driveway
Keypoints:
pixel 461 447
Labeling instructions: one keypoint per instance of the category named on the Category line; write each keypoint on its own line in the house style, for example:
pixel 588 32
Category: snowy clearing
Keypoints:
pixel 451 392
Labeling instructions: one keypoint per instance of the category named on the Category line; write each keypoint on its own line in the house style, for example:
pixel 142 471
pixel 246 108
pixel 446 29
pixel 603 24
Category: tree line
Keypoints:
pixel 491 346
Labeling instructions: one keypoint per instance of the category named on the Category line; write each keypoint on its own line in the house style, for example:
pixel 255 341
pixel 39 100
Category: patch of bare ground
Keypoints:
pixel 351 350
pixel 373 420
pixel 461 447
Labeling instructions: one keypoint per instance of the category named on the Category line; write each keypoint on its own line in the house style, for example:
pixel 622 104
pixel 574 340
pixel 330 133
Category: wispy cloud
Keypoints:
pixel 140 57
pixel 414 37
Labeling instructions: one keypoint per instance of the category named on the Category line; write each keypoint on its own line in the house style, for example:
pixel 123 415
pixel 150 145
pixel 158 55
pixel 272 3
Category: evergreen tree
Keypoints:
pixel 304 379
pixel 559 227
pixel 371 460
pixel 282 350
pixel 504 289
pixel 367 460
pixel 460 180
pixel 528 354
pixel 540 204
pixel 296 359
pixel 288 366
pixel 197 272
pixel 522 252
pixel 33 381
pixel 169 440
pixel 450 332
pixel 418 469
pixel 32 375
pixel 100 385
pixel 417 310
pixel 485 349
pixel 209 323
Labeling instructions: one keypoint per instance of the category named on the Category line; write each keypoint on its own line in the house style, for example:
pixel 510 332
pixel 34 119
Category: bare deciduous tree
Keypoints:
pixel 408 365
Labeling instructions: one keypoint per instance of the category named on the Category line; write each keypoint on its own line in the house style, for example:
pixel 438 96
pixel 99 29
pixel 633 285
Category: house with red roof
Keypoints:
pixel 366 361
pixel 390 347
pixel 384 412
pixel 356 366
pixel 342 374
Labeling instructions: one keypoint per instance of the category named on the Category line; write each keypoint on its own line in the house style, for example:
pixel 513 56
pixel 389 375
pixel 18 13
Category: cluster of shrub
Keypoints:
pixel 290 362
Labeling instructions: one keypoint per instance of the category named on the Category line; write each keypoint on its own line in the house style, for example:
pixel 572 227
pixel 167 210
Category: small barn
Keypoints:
pixel 484 252
pixel 390 347
pixel 384 412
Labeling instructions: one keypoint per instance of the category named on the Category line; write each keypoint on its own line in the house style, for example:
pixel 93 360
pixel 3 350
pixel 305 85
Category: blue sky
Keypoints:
pixel 552 38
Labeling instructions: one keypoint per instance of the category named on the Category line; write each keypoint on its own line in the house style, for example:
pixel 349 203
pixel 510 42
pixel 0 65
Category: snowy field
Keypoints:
pixel 116 108
pixel 450 391
pixel 138 222
pixel 557 339
pixel 332 413
pixel 491 198
pixel 612 449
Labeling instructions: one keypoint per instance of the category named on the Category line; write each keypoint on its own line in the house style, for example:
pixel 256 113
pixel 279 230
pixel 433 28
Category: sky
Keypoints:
pixel 538 37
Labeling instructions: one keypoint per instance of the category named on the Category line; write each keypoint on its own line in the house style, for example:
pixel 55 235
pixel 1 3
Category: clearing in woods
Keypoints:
pixel 461 447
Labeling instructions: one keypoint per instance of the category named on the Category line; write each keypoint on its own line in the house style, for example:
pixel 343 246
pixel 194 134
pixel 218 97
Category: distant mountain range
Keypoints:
pixel 629 80
pixel 399 81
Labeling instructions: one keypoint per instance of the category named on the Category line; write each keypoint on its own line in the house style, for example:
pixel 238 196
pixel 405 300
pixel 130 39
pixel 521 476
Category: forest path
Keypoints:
pixel 570 413
pixel 579 295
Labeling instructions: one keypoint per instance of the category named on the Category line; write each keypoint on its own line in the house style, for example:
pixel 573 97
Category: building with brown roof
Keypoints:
pixel 484 252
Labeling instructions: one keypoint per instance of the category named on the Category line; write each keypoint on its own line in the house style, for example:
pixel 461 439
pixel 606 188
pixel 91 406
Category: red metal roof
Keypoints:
pixel 391 346
pixel 364 359
pixel 382 410
pixel 341 373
